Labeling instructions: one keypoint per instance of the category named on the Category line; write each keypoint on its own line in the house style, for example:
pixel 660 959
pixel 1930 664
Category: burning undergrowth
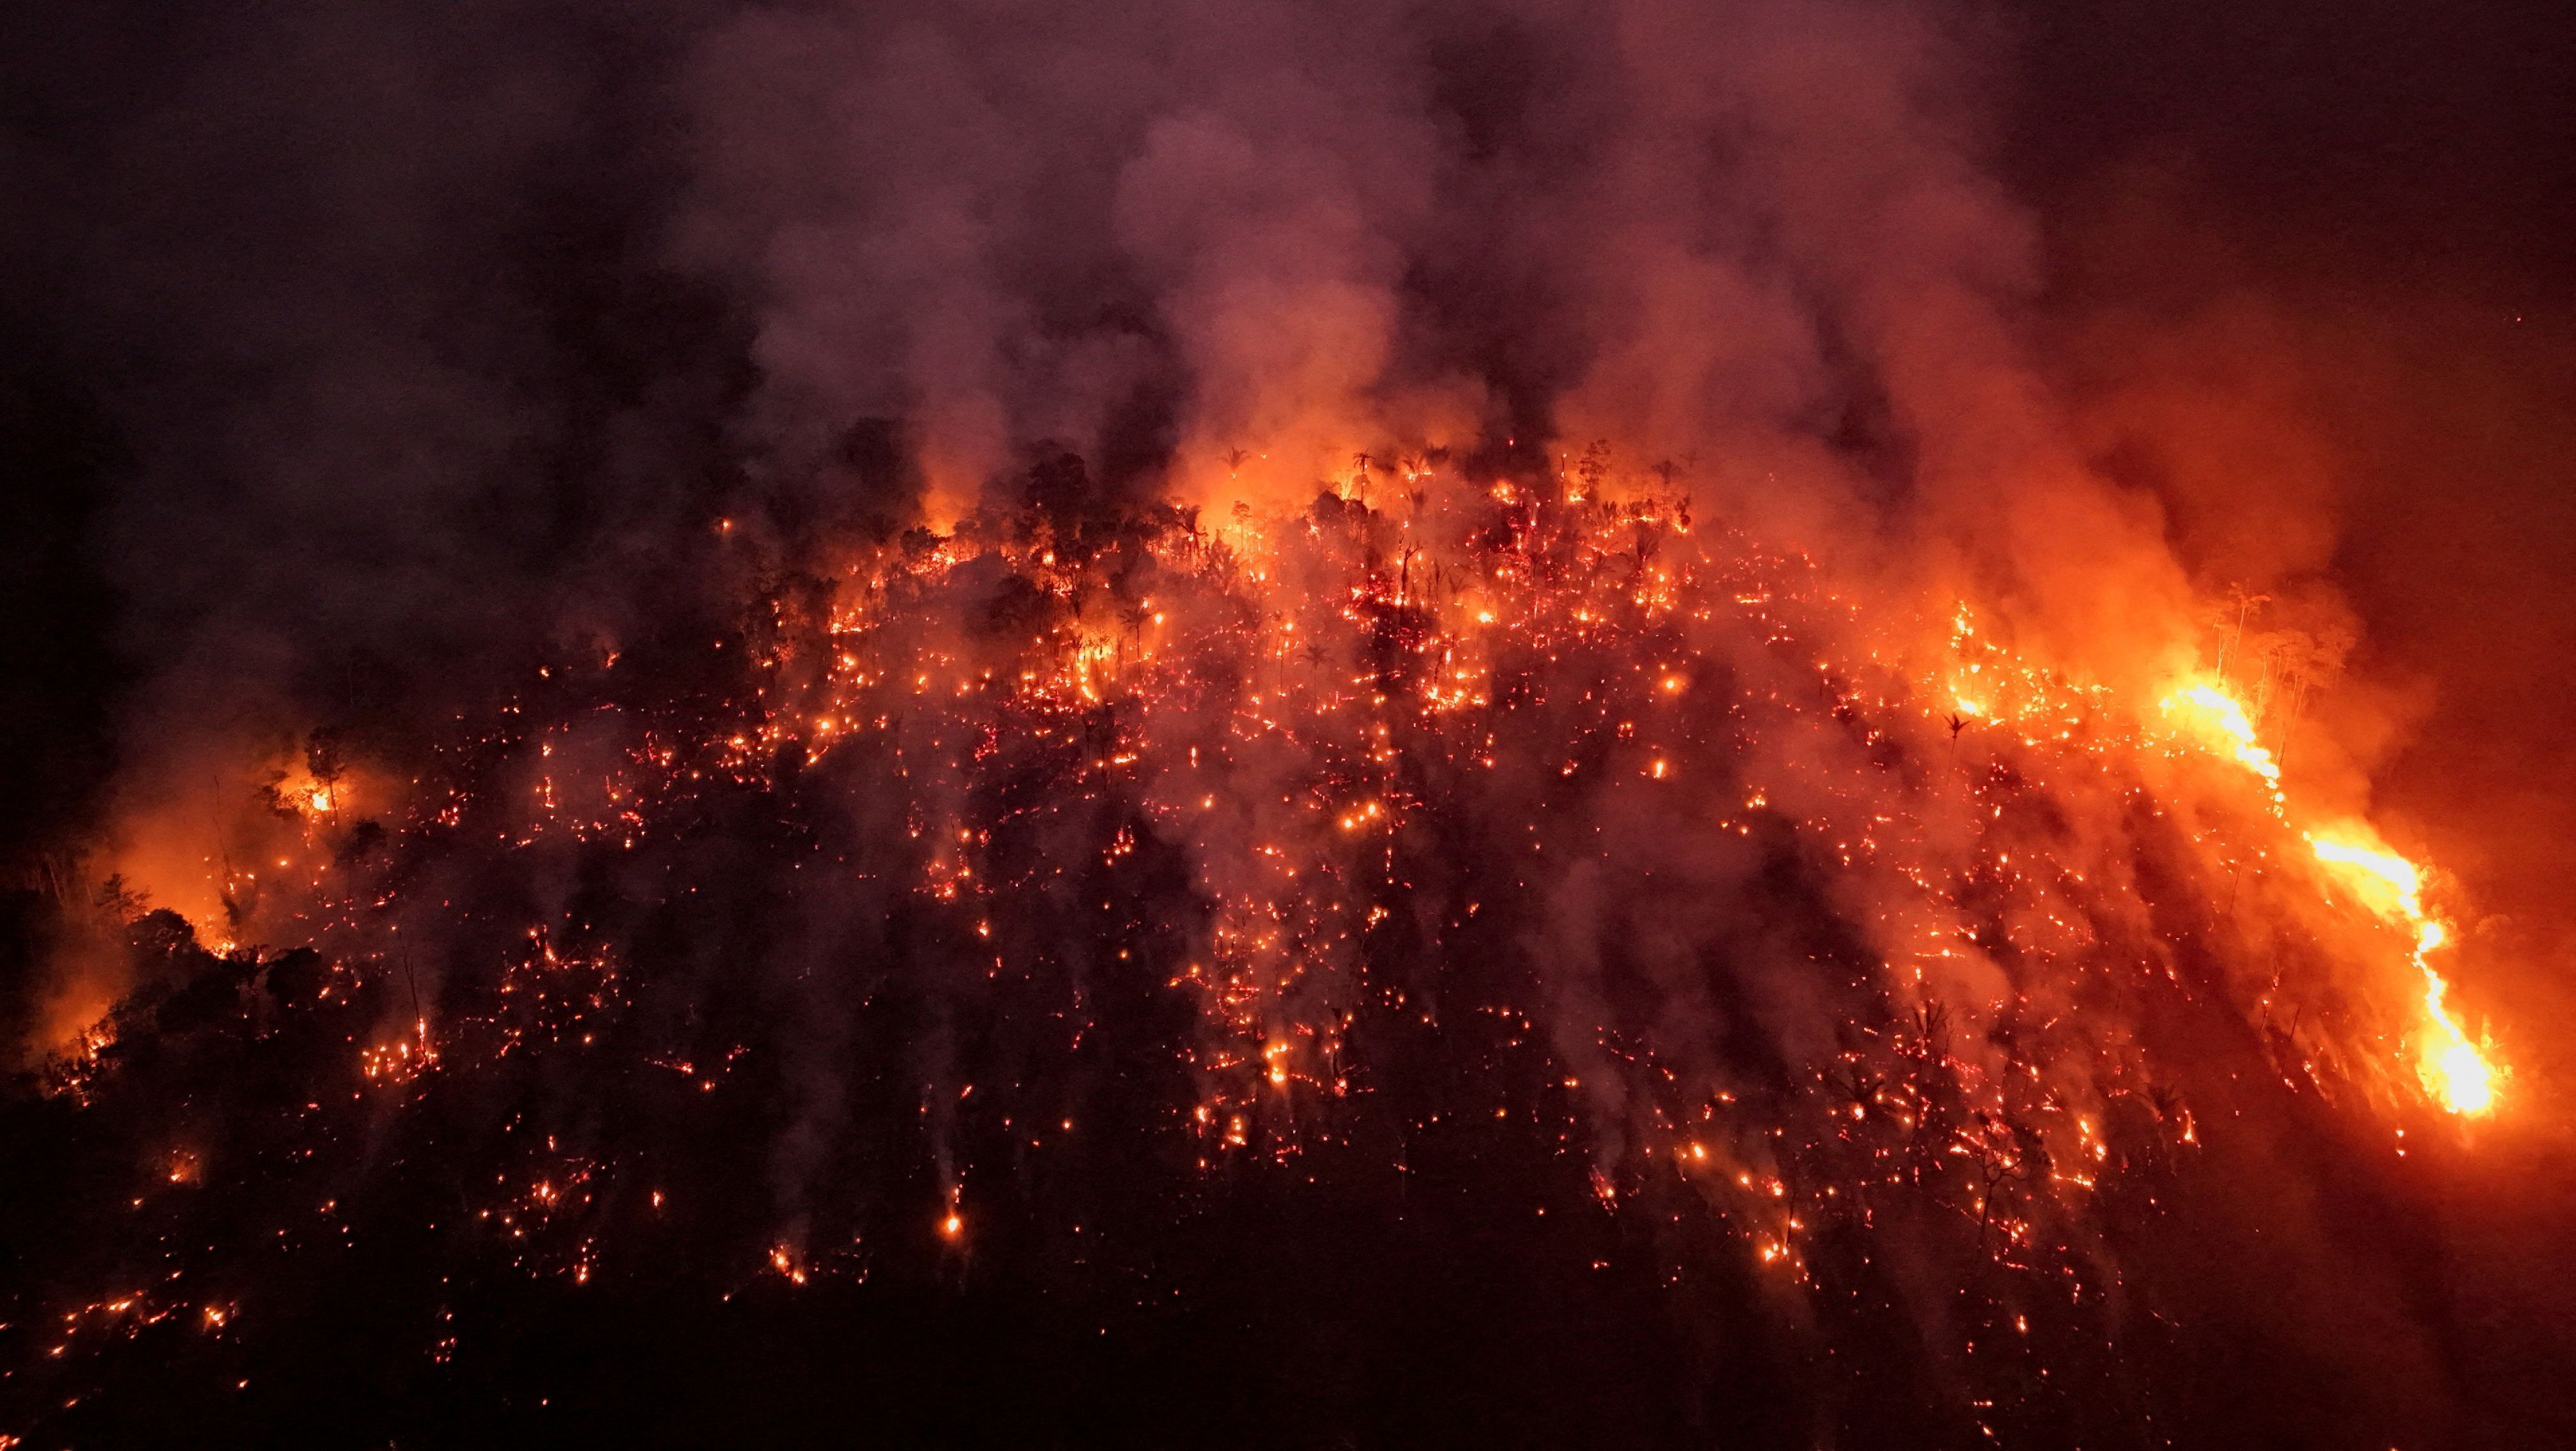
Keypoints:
pixel 538 894
pixel 1113 911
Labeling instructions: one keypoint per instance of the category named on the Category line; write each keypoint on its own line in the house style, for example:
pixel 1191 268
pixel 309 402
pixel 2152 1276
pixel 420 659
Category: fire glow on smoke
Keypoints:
pixel 1818 907
pixel 1293 699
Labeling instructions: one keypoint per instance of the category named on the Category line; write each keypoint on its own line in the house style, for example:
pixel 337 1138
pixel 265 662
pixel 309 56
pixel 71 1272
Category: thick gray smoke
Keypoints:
pixel 1754 237
pixel 429 333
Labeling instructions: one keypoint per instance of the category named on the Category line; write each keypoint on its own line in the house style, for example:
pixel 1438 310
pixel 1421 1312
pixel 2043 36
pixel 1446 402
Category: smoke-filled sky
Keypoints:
pixel 406 333
pixel 359 356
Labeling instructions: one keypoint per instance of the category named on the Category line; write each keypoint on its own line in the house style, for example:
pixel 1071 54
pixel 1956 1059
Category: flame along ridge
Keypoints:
pixel 1291 720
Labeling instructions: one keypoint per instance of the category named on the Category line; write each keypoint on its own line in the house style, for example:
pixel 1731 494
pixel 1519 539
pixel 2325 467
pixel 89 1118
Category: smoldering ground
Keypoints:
pixel 375 359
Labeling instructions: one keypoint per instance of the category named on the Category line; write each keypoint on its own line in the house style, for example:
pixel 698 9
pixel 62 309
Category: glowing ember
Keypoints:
pixel 1288 694
pixel 1523 724
pixel 1533 773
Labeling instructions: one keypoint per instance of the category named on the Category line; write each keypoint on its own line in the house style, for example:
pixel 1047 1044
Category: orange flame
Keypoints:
pixel 2216 715
pixel 2454 1070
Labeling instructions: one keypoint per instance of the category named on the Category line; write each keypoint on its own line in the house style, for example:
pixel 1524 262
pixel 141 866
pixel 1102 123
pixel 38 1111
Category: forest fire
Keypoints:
pixel 2453 1068
pixel 1556 759
pixel 1780 724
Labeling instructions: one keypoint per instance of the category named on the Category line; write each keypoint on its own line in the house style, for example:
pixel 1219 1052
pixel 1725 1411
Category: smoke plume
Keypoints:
pixel 1075 674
